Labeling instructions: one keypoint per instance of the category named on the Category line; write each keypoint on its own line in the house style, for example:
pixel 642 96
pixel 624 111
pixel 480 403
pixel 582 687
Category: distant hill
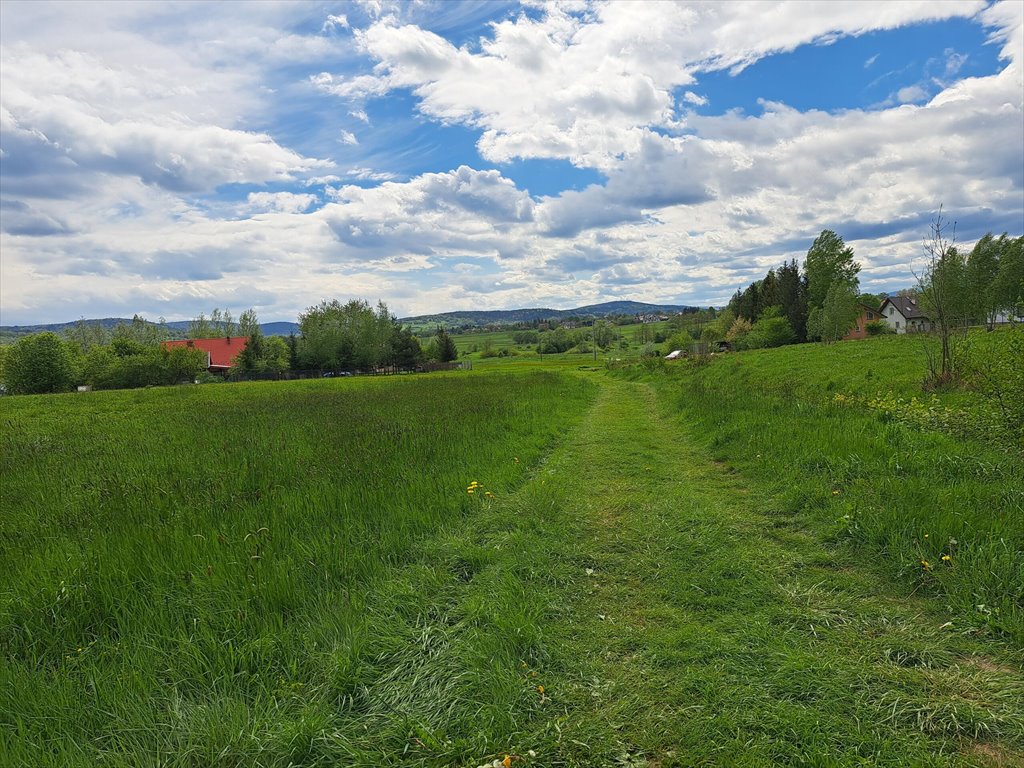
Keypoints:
pixel 177 328
pixel 510 316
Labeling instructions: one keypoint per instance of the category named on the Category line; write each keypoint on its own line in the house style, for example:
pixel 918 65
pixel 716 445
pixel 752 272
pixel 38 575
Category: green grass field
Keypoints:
pixel 687 565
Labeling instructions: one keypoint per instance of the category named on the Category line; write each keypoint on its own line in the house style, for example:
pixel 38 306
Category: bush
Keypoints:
pixel 994 366
pixel 40 363
pixel 879 328
pixel 770 331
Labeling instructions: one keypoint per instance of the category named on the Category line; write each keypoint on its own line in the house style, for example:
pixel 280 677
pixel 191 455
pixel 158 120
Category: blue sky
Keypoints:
pixel 165 159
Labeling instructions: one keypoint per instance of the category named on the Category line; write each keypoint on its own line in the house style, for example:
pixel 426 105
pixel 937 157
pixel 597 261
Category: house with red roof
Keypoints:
pixel 220 352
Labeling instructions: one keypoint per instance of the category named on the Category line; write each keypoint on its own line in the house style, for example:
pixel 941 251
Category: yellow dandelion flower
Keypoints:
pixel 835 492
pixel 507 762
pixel 470 491
pixel 540 689
pixel 926 565
pixel 946 558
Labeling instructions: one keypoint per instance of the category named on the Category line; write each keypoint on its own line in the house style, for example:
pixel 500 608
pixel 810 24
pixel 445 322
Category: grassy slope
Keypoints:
pixel 677 602
pixel 911 495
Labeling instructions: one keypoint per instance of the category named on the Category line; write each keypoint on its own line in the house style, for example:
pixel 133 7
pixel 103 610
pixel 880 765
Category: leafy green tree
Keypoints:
pixel 293 352
pixel 347 336
pixel 771 330
pixel 944 295
pixel 249 323
pixel 200 328
pixel 679 340
pixel 829 261
pixel 839 312
pixel 982 270
pixel 1008 286
pixel 602 333
pixel 40 363
pixel 737 331
pixel 277 356
pixel 182 364
pixel 86 335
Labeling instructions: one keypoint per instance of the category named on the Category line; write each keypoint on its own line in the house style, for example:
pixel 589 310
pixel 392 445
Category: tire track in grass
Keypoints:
pixel 692 626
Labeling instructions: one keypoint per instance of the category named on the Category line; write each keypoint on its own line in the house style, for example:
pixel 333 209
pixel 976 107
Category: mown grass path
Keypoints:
pixel 695 627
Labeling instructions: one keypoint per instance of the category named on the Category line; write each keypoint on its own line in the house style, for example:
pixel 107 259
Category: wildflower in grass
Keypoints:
pixel 946 558
pixel 507 762
pixel 540 689
pixel 835 491
pixel 926 535
pixel 926 565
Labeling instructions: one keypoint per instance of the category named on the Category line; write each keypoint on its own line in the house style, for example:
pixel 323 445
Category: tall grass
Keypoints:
pixel 943 511
pixel 200 576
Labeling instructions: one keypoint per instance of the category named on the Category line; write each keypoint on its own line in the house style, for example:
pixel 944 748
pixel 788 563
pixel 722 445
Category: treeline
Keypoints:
pixel 357 337
pixel 819 301
pixel 790 304
pixel 128 356
pixel 333 337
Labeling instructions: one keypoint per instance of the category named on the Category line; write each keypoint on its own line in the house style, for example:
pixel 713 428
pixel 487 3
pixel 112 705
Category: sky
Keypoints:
pixel 168 158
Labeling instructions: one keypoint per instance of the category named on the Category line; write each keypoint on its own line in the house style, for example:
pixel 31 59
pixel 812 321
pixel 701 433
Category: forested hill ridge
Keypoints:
pixel 179 328
pixel 536 314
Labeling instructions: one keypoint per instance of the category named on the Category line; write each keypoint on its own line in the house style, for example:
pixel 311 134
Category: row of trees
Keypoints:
pixel 791 305
pixel 820 300
pixel 333 336
pixel 130 356
pixel 957 290
pixel 356 337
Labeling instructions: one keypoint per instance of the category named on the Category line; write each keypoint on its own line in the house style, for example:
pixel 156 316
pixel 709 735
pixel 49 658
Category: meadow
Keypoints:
pixel 843 433
pixel 183 565
pixel 751 560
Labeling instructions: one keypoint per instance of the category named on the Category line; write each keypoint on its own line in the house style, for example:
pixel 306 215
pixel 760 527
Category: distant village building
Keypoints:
pixel 903 315
pixel 865 315
pixel 220 352
pixel 651 318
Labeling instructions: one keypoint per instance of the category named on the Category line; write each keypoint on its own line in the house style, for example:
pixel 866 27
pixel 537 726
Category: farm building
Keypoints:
pixel 904 315
pixel 220 352
pixel 865 315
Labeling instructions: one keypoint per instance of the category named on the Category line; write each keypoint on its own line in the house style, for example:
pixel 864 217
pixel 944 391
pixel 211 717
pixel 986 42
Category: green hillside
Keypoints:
pixel 777 557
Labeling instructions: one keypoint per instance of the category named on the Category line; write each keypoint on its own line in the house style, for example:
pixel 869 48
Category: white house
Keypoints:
pixel 903 315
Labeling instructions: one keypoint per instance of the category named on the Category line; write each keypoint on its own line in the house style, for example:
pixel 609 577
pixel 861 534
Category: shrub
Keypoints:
pixel 994 366
pixel 738 331
pixel 40 363
pixel 879 328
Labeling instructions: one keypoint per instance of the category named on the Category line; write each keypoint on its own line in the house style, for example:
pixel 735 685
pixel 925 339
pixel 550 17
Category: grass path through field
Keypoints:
pixel 696 627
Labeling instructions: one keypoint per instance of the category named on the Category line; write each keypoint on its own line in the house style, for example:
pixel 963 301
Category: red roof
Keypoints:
pixel 222 350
